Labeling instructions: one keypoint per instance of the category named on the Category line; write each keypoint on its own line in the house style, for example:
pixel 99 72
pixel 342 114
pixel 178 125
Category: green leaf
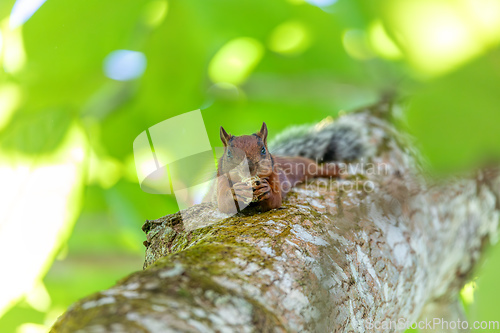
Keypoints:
pixel 37 133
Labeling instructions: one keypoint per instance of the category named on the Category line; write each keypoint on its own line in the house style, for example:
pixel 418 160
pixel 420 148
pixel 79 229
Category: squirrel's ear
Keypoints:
pixel 263 133
pixel 224 136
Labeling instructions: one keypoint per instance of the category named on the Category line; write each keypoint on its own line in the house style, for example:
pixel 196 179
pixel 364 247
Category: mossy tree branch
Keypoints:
pixel 380 245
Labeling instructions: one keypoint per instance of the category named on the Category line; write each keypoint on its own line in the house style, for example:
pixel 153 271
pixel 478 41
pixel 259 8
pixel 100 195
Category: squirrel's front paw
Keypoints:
pixel 243 192
pixel 262 191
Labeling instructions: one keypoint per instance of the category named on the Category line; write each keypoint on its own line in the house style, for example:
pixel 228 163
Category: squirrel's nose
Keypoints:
pixel 251 166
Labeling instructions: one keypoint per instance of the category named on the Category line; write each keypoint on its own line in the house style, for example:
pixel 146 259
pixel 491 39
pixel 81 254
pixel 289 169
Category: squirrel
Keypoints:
pixel 248 174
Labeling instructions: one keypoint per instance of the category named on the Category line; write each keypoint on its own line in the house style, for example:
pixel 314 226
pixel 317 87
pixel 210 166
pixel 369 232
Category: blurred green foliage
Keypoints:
pixel 309 62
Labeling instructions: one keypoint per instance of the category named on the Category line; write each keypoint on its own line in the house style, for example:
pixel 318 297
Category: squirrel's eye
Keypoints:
pixel 229 154
pixel 263 151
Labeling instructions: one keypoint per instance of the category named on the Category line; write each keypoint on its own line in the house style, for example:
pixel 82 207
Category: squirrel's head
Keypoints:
pixel 252 147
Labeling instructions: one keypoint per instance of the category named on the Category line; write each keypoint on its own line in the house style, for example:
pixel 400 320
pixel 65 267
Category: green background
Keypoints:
pixel 311 62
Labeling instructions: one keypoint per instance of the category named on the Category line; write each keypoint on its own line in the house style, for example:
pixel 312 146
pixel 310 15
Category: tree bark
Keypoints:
pixel 371 249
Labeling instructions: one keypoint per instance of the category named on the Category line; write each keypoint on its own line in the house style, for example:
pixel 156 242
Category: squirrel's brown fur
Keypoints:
pixel 272 177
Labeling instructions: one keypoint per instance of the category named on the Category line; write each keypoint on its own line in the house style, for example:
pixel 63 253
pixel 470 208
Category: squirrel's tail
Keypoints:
pixel 342 140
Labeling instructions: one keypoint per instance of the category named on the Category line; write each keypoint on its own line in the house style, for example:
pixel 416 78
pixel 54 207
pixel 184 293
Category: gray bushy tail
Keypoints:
pixel 342 140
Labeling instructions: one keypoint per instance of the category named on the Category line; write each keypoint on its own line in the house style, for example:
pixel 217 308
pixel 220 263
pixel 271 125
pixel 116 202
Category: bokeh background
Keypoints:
pixel 80 80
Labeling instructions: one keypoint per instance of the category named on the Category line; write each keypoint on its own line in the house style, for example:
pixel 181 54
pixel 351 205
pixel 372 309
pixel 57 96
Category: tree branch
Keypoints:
pixel 379 245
